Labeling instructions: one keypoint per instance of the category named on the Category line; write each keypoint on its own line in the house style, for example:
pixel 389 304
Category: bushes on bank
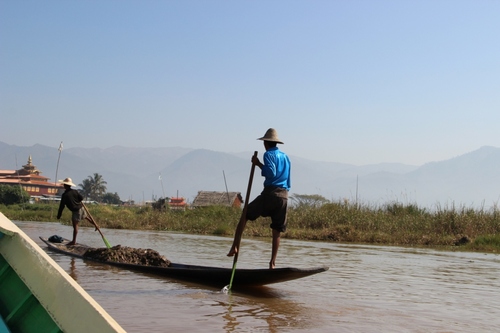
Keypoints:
pixel 390 224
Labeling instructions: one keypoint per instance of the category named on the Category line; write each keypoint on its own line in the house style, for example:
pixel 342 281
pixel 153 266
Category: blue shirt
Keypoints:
pixel 276 169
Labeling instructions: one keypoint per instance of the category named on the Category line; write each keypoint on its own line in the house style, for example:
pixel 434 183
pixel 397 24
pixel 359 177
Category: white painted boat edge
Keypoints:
pixel 51 285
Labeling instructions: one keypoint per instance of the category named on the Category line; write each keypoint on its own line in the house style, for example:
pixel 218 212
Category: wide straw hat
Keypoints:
pixel 67 181
pixel 271 135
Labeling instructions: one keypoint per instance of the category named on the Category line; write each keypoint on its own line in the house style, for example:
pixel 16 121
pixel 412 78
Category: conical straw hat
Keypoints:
pixel 271 135
pixel 67 181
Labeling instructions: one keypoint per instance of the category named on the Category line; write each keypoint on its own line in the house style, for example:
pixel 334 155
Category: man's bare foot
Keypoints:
pixel 271 265
pixel 232 252
pixel 70 243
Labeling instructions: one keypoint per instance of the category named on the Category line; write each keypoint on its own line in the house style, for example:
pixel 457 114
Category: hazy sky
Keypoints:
pixel 346 81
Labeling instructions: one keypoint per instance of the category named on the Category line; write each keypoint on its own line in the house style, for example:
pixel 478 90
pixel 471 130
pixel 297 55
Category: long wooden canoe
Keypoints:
pixel 213 276
pixel 35 291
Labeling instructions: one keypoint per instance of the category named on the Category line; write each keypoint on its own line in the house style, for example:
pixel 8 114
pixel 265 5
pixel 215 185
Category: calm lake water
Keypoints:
pixel 367 289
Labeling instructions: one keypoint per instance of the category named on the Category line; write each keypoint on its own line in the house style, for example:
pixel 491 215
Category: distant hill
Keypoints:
pixel 471 180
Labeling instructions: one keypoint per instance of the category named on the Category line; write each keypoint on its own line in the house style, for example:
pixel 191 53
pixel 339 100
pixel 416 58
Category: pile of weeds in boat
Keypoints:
pixel 128 255
pixel 391 224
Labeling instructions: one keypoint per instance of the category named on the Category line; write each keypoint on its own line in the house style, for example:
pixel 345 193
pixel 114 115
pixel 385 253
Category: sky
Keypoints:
pixel 358 81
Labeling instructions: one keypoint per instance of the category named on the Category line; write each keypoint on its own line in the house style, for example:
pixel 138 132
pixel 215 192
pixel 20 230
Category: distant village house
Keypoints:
pixel 171 203
pixel 177 203
pixel 213 198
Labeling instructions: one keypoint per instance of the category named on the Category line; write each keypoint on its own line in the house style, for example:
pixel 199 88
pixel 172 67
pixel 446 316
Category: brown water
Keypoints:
pixel 367 289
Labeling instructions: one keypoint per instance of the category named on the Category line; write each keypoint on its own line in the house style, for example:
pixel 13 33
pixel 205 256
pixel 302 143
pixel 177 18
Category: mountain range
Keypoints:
pixel 141 174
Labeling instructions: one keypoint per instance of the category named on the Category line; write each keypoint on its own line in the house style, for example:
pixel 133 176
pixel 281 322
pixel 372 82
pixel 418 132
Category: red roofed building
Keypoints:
pixel 31 180
pixel 177 203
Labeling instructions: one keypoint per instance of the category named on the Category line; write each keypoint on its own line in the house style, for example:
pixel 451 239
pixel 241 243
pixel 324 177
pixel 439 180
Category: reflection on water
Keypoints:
pixel 272 313
pixel 72 270
pixel 367 289
pixel 265 305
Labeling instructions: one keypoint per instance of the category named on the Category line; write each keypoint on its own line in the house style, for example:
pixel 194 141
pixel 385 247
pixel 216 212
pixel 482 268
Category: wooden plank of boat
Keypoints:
pixel 35 291
pixel 214 276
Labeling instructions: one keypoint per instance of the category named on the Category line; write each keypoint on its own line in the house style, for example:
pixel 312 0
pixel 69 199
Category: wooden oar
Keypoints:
pixel 91 219
pixel 242 223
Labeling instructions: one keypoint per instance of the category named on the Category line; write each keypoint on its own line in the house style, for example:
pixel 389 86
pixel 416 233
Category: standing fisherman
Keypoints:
pixel 273 201
pixel 72 199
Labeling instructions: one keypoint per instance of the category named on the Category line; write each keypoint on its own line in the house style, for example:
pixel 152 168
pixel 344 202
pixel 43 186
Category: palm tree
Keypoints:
pixel 94 187
pixel 98 186
pixel 86 187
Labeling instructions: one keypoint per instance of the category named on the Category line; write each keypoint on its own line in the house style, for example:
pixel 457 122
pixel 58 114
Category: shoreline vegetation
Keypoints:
pixel 396 224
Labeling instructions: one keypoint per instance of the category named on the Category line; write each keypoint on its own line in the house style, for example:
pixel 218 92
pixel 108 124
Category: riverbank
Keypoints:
pixel 453 228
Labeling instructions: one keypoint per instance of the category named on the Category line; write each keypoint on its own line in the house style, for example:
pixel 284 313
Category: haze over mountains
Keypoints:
pixel 470 180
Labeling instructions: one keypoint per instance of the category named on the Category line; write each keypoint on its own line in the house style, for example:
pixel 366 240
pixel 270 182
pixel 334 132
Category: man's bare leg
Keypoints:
pixel 233 250
pixel 276 245
pixel 237 238
pixel 75 233
pixel 91 222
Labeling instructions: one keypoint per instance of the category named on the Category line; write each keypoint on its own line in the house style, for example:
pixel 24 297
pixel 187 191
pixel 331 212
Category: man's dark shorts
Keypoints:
pixel 272 202
pixel 78 215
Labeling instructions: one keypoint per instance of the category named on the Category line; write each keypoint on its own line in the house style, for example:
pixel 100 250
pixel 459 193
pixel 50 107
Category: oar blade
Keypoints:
pixel 106 242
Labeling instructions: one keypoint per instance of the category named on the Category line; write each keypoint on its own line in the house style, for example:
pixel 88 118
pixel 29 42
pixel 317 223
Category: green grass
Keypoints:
pixel 485 243
pixel 390 224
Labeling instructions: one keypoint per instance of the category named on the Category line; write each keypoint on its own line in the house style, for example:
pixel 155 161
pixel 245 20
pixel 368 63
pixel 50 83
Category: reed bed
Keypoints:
pixel 394 223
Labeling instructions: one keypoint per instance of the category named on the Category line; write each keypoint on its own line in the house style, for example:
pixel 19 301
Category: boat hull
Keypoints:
pixel 214 276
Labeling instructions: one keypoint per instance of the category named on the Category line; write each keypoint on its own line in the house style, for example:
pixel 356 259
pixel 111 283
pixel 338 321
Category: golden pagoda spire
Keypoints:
pixel 30 168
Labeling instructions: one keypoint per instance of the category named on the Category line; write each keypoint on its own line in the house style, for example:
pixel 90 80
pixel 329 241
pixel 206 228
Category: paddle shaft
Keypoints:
pixel 95 224
pixel 243 221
